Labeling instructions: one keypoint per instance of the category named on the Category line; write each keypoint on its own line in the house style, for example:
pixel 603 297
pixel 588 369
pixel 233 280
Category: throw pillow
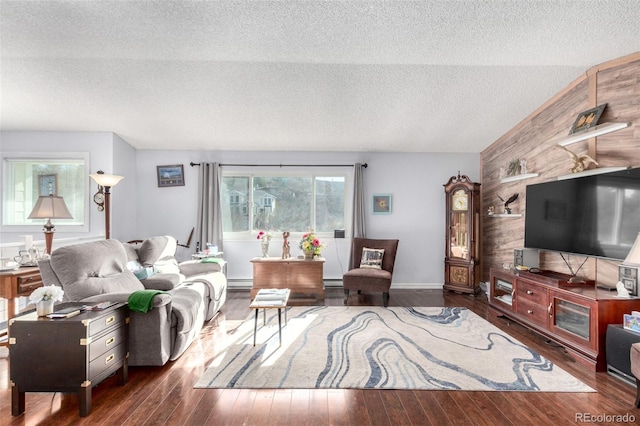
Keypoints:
pixel 371 258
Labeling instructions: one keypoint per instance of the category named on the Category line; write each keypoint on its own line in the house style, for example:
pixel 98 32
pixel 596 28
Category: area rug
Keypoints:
pixel 364 347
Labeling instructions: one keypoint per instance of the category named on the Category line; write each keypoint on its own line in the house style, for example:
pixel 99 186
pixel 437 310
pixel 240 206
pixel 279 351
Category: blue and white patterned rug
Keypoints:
pixel 365 347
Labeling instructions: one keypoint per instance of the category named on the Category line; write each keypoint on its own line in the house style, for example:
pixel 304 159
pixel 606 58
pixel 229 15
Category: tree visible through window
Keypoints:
pixel 292 203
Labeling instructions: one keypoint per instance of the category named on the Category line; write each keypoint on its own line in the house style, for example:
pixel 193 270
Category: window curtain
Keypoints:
pixel 209 222
pixel 357 221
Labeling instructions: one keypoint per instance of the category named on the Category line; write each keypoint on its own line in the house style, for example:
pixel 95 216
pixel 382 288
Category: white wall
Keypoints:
pixel 415 180
pixel 140 209
pixel 99 145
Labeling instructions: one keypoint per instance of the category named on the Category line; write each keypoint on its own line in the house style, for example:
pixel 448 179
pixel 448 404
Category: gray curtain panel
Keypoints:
pixel 359 208
pixel 209 222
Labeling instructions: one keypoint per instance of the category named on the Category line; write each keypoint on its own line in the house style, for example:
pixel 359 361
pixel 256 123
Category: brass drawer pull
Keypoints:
pixel 109 359
pixel 529 292
pixel 110 320
pixel 529 311
pixel 109 341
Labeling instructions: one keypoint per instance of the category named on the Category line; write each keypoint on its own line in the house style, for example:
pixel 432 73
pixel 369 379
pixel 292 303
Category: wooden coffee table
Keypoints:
pixel 270 298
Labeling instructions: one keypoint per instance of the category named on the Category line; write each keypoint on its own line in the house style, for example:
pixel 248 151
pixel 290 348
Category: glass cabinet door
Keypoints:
pixel 572 317
pixel 459 234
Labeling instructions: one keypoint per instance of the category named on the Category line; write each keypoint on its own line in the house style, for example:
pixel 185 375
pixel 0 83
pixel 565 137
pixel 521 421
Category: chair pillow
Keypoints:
pixel 371 258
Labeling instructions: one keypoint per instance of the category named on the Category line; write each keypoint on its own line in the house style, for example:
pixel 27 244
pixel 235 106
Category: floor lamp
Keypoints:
pixel 107 182
pixel 49 207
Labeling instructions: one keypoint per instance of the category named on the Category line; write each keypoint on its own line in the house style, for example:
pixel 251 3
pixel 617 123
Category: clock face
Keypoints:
pixel 460 200
pixel 98 198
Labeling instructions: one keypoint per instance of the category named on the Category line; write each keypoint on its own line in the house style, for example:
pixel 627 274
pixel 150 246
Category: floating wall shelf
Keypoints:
pixel 519 177
pixel 600 129
pixel 505 215
pixel 592 172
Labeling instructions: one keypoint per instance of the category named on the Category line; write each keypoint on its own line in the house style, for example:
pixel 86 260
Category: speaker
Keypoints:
pixel 618 350
pixel 526 257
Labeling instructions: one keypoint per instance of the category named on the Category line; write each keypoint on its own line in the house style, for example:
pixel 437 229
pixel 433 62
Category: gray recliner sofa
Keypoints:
pixel 193 291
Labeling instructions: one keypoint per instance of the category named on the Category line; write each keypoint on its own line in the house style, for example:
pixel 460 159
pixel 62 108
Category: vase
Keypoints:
pixel 308 254
pixel 264 245
pixel 44 307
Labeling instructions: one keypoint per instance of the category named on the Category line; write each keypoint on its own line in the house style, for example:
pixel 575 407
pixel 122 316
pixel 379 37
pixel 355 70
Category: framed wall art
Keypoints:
pixel 48 184
pixel 171 175
pixel 587 119
pixel 381 204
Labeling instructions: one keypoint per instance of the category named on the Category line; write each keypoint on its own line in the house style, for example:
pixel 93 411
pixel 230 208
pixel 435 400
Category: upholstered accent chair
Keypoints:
pixel 370 273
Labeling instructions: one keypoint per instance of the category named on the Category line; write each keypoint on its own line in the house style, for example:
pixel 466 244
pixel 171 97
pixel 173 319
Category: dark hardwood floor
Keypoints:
pixel 165 395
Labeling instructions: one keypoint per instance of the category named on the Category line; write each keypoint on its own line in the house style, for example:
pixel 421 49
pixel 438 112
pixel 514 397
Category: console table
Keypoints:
pixel 67 355
pixel 14 284
pixel 303 277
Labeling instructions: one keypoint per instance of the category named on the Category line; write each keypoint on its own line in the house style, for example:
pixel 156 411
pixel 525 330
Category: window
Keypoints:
pixel 27 177
pixel 293 202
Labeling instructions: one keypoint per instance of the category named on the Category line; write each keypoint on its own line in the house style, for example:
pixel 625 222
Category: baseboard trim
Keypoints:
pixel 244 284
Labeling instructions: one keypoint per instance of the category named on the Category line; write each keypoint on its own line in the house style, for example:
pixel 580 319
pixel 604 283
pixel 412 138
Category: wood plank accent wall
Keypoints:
pixel 616 83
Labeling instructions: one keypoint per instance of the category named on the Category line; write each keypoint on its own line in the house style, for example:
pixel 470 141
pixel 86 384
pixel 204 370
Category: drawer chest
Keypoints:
pixel 17 283
pixel 81 351
pixel 303 277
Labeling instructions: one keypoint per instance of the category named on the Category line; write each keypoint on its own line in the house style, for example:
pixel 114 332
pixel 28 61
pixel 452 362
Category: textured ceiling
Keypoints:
pixel 427 76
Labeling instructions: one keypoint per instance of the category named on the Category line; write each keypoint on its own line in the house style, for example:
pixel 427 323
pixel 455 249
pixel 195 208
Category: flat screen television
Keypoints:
pixel 597 215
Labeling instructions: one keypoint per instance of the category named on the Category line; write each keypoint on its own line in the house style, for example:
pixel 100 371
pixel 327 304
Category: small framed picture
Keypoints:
pixel 381 204
pixel 48 184
pixel 171 175
pixel 587 119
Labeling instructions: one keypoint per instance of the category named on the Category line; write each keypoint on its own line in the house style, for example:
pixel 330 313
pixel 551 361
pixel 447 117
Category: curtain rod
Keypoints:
pixel 365 165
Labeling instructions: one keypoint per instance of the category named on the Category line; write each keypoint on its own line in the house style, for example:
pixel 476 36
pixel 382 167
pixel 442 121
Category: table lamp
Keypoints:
pixel 49 207
pixel 106 181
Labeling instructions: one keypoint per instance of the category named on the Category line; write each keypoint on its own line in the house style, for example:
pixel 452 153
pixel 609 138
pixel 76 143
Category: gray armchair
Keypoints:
pixel 369 278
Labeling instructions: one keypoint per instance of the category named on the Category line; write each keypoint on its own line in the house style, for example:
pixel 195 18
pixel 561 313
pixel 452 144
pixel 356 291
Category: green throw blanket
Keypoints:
pixel 142 300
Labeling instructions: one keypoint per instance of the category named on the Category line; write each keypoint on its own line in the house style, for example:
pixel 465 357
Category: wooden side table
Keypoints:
pixel 67 355
pixel 303 277
pixel 14 284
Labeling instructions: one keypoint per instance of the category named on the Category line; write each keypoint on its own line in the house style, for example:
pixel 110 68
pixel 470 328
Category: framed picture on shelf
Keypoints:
pixel 587 119
pixel 48 184
pixel 381 204
pixel 171 175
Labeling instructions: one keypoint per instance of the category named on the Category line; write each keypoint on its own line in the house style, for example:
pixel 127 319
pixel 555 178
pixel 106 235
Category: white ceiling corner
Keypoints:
pixel 404 76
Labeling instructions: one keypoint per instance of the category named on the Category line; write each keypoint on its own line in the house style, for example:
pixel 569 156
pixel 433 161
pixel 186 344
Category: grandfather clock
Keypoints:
pixel 462 257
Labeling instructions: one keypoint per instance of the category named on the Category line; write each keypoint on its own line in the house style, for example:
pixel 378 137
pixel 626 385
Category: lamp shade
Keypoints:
pixel 106 180
pixel 50 207
pixel 633 258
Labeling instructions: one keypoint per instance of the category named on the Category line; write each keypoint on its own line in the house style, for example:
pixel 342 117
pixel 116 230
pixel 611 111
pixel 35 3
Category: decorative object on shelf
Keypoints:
pixel 44 298
pixel 286 248
pixel 510 200
pixel 622 291
pixel 171 175
pixel 265 238
pixel 105 183
pixel 491 210
pixel 580 163
pixel 49 207
pixel 523 166
pixel 381 204
pixel 514 168
pixel 310 245
pixel 587 119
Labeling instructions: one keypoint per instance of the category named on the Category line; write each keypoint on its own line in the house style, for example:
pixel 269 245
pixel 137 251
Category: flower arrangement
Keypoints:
pixel 311 243
pixel 265 236
pixel 49 292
